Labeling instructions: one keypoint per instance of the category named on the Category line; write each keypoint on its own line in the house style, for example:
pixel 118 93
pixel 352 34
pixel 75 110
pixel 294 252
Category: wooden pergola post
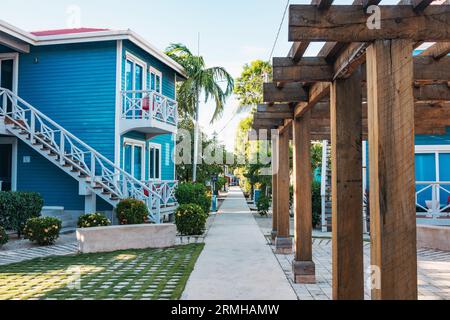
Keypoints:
pixel 391 169
pixel 346 176
pixel 283 241
pixel 303 266
pixel 274 187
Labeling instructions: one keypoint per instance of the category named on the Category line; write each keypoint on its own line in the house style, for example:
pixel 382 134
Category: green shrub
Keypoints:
pixel 17 207
pixel 42 230
pixel 132 211
pixel 3 236
pixel 220 183
pixel 92 220
pixel 263 205
pixel 316 203
pixel 194 193
pixel 190 219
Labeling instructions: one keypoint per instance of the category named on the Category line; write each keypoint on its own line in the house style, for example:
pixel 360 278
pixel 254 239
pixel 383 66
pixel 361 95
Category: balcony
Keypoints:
pixel 148 112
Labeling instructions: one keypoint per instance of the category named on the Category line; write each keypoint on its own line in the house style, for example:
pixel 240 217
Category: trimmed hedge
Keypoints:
pixel 3 236
pixel 43 230
pixel 263 205
pixel 17 207
pixel 194 193
pixel 91 220
pixel 190 219
pixel 132 211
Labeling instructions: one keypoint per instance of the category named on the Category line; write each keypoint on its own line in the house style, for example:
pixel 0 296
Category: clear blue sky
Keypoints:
pixel 233 32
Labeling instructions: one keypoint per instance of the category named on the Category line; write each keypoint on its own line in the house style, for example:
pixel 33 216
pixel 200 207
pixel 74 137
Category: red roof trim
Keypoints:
pixel 66 31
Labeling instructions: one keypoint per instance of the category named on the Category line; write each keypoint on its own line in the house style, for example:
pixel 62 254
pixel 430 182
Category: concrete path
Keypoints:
pixel 19 255
pixel 237 263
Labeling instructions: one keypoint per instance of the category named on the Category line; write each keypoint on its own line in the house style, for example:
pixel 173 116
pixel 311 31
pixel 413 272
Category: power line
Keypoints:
pixel 279 29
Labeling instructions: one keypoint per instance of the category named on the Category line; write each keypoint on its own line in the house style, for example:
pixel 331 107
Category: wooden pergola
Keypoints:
pixel 364 84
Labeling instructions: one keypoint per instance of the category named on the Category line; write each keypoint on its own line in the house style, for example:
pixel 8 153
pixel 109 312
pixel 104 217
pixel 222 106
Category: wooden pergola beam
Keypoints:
pixel 423 92
pixel 322 4
pixel 437 50
pixel 308 69
pixel 279 107
pixel 290 92
pixel 429 118
pixel 297 50
pixel 429 69
pixel 345 23
pixel 420 5
pixel 317 69
pixel 273 115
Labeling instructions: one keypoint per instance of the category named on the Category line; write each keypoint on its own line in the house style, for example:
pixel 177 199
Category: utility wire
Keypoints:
pixel 270 58
pixel 279 30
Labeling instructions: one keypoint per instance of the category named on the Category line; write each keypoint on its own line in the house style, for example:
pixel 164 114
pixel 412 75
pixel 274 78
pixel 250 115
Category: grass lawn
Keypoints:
pixel 131 274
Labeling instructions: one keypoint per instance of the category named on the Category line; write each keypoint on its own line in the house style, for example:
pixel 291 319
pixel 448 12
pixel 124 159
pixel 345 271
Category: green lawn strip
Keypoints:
pixel 48 277
pixel 197 249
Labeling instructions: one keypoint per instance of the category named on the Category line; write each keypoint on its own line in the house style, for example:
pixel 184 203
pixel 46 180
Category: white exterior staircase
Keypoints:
pixel 73 156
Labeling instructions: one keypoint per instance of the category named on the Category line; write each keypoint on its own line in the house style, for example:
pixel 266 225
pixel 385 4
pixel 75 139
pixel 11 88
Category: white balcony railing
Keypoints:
pixel 149 105
pixel 165 189
pixel 433 198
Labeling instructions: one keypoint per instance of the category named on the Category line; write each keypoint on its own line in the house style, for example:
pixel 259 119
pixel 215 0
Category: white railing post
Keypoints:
pixel 92 169
pixel 435 205
pixel 158 211
pixel 5 103
pixel 32 126
pixel 62 148
pixel 323 190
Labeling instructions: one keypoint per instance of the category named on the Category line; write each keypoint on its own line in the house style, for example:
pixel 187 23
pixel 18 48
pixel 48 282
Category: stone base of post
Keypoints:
pixel 304 272
pixel 273 236
pixel 283 245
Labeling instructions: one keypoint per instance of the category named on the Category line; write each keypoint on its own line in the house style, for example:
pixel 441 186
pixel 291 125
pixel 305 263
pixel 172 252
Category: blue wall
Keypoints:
pixel 75 86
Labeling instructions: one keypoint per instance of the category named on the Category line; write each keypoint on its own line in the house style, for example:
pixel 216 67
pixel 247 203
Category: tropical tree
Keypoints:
pixel 249 86
pixel 213 82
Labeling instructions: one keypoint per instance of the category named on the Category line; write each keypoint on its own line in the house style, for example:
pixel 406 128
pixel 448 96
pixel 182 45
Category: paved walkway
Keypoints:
pixel 237 263
pixel 433 273
pixel 18 255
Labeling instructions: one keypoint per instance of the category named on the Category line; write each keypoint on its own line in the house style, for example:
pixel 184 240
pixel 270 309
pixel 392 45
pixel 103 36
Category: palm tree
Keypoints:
pixel 200 79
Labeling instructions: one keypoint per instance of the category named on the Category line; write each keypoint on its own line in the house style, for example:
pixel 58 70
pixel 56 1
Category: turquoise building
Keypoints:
pixel 87 118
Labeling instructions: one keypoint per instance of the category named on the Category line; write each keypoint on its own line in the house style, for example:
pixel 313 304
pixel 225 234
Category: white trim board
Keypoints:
pixel 154 146
pixel 14 56
pixel 117 146
pixel 133 143
pixel 108 35
pixel 432 148
pixel 136 61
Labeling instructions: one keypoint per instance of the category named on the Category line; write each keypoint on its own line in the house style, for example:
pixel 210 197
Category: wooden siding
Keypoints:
pixel 75 86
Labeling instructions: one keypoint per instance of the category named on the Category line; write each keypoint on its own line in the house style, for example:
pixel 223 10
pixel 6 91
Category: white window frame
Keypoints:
pixel 133 143
pixel 157 73
pixel 141 63
pixel 14 56
pixel 151 146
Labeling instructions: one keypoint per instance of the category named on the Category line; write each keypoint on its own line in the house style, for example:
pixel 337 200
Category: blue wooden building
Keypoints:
pixel 88 117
